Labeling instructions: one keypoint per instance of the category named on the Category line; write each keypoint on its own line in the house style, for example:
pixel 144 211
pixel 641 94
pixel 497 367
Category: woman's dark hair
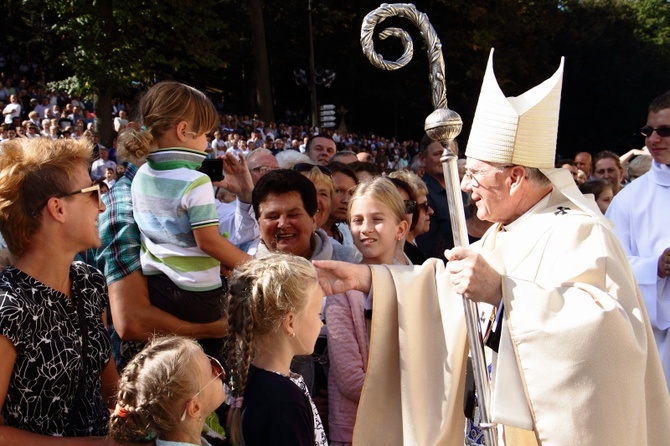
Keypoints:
pixel 402 185
pixel 361 166
pixel 283 181
pixel 337 166
pixel 595 187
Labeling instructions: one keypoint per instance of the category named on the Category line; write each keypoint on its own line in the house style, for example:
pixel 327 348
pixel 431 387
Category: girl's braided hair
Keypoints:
pixel 260 293
pixel 154 389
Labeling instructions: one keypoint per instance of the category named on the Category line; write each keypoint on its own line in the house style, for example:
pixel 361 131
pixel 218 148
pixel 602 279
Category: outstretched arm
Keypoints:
pixel 339 277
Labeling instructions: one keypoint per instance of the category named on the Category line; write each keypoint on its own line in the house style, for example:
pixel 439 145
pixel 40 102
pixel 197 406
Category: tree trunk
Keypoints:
pixel 103 118
pixel 261 65
pixel 103 101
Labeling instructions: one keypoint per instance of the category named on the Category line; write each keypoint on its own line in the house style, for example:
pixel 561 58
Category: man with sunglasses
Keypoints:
pixel 641 223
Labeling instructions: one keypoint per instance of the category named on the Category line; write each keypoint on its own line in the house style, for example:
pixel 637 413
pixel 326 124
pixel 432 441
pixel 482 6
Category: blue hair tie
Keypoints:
pixel 144 128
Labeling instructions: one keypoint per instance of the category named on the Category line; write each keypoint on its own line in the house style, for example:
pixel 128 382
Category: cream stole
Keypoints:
pixel 509 403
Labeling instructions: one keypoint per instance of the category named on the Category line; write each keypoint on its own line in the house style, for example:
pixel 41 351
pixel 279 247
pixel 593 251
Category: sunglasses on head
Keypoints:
pixel 663 132
pixel 217 369
pixel 410 206
pixel 306 167
pixel 94 192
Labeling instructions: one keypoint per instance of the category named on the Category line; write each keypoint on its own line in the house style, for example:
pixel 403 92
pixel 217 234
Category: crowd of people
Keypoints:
pixel 193 306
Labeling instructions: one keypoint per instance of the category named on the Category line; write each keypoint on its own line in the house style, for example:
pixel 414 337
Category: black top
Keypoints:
pixel 275 411
pixel 439 236
pixel 414 254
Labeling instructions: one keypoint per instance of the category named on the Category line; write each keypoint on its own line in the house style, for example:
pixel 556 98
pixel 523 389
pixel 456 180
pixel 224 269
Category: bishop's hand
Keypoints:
pixel 339 277
pixel 473 277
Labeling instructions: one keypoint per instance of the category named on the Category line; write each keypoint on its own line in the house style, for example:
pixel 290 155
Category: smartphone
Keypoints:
pixel 213 168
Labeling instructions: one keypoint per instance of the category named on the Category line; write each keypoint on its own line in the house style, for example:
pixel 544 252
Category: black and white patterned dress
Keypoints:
pixel 43 326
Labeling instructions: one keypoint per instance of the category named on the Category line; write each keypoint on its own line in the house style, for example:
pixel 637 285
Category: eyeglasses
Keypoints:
pixel 663 132
pixel 217 369
pixel 93 190
pixel 306 167
pixel 472 174
pixel 264 169
pixel 410 206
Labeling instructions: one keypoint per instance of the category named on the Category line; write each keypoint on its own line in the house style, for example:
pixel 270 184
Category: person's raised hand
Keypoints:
pixel 237 178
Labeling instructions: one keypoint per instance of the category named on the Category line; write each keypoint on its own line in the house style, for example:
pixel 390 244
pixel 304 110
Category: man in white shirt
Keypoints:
pixel 121 121
pixel 100 165
pixel 12 110
pixel 641 224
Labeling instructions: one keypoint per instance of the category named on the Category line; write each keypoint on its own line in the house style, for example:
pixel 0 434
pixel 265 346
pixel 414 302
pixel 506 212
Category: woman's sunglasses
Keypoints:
pixel 93 190
pixel 410 206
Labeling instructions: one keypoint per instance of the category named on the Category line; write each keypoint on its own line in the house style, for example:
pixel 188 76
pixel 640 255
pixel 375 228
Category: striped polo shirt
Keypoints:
pixel 171 199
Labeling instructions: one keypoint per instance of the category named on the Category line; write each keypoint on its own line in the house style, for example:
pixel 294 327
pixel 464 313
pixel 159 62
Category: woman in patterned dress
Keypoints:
pixel 57 377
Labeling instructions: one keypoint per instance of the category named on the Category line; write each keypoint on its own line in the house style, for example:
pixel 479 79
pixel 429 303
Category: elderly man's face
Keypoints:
pixel 490 190
pixel 583 161
pixel 260 165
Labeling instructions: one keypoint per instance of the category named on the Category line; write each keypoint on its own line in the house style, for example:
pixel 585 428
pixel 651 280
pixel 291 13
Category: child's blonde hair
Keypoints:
pixel 166 104
pixel 383 191
pixel 154 389
pixel 260 293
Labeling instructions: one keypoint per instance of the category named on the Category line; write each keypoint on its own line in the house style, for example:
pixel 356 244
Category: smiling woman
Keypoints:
pixel 48 213
pixel 285 203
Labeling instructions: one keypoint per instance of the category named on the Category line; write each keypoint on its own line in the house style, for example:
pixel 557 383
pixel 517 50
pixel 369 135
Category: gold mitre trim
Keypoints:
pixel 518 130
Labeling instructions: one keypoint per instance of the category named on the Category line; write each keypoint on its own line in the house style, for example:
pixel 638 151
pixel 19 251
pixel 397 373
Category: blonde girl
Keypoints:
pixel 166 392
pixel 274 314
pixel 377 220
pixel 378 225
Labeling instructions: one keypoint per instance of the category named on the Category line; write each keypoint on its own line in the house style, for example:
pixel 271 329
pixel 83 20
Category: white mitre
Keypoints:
pixel 522 131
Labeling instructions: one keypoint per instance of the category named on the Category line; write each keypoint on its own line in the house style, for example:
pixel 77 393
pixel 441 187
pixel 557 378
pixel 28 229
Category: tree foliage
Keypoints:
pixel 616 56
pixel 114 47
